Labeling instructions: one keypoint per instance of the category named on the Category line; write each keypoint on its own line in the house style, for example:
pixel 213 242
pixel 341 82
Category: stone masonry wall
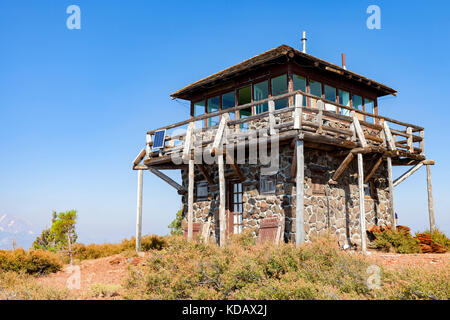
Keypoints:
pixel 336 209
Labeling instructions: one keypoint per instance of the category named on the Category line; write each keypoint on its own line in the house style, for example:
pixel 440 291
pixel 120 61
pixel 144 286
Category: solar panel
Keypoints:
pixel 158 141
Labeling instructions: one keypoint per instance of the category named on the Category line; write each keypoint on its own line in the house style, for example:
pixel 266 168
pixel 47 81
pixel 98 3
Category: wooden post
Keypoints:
pixel 271 118
pixel 299 208
pixel 362 212
pixel 430 200
pixel 391 193
pixel 222 218
pixel 190 199
pixel 139 211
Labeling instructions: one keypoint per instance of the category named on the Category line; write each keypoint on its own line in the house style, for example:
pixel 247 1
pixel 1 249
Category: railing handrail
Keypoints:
pixel 279 97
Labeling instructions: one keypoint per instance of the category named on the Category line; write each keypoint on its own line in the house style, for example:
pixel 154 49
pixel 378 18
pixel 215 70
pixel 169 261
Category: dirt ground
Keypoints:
pixel 112 271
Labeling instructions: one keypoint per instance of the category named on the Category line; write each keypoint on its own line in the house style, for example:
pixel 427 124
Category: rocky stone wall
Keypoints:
pixel 328 208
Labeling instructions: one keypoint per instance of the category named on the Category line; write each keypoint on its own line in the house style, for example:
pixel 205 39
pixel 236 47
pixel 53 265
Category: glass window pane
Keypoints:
pixel 369 107
pixel 260 92
pixel 344 99
pixel 356 102
pixel 300 84
pixel 228 101
pixel 330 94
pixel 199 109
pixel 315 88
pixel 244 97
pixel 279 86
pixel 213 106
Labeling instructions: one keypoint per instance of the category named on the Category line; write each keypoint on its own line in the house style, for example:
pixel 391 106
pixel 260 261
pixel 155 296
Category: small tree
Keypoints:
pixel 61 235
pixel 175 225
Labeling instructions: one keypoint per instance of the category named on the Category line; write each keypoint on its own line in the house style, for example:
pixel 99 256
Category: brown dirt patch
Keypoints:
pixel 395 260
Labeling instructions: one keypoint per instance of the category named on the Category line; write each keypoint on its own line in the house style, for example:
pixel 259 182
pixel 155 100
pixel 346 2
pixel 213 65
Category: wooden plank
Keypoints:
pixel 298 113
pixel 359 131
pixel 165 178
pixel 139 211
pixel 410 139
pixel 202 169
pixel 219 133
pixel 188 142
pixel 407 174
pixel 139 157
pixel 374 169
pixel 389 139
pixel 272 118
pixel 294 163
pixel 148 143
pixel 430 200
pixel 391 193
pixel 319 119
pixel 344 164
pixel 299 208
pixel 422 142
pixel 222 199
pixel 190 215
pixel 362 211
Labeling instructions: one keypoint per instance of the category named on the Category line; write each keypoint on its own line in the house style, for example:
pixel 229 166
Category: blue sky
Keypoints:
pixel 75 104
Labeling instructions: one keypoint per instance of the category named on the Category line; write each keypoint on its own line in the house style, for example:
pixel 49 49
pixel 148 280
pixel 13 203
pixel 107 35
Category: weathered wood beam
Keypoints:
pixel 139 157
pixel 388 135
pixel 344 164
pixel 407 174
pixel 374 169
pixel 391 193
pixel 167 179
pixel 139 211
pixel 219 133
pixel 430 200
pixel 148 144
pixel 320 106
pixel 202 169
pixel 299 208
pixel 271 118
pixel 230 161
pixel 298 113
pixel 190 214
pixel 222 199
pixel 362 211
pixel 359 131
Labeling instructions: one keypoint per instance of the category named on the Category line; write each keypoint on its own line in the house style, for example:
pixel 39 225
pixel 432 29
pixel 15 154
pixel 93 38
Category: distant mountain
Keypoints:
pixel 15 229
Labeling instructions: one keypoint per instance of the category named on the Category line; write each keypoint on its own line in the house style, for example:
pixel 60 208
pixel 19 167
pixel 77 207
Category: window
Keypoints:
pixel 368 190
pixel 330 94
pixel 228 101
pixel 344 99
pixel 300 84
pixel 318 182
pixel 244 97
pixel 279 86
pixel 268 184
pixel 260 92
pixel 357 104
pixel 315 88
pixel 369 106
pixel 202 191
pixel 237 207
pixel 199 109
pixel 213 106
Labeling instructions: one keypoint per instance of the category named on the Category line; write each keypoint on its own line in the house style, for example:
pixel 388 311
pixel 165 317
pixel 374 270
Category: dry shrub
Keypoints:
pixel 439 237
pixel 31 262
pixel 20 286
pixel 398 241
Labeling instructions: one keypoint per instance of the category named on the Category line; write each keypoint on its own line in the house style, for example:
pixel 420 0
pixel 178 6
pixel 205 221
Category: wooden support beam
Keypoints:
pixel 167 179
pixel 139 157
pixel 299 208
pixel 410 139
pixel 148 143
pixel 320 106
pixel 219 133
pixel 294 164
pixel 348 159
pixel 362 212
pixel 430 200
pixel 222 199
pixel 407 174
pixel 359 131
pixel 391 193
pixel 202 169
pixel 388 135
pixel 271 118
pixel 374 169
pixel 422 142
pixel 235 167
pixel 139 211
pixel 298 113
pixel 190 215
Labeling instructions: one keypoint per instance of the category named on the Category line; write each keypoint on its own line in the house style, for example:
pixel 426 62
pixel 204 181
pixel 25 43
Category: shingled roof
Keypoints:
pixel 275 54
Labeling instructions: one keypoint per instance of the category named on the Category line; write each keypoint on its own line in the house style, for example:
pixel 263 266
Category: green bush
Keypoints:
pixel 31 262
pixel 397 241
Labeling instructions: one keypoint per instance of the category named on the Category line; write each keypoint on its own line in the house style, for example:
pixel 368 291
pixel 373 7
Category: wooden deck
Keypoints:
pixel 320 128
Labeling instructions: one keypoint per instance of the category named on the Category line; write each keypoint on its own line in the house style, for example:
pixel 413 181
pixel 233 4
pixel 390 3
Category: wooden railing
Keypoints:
pixel 385 132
